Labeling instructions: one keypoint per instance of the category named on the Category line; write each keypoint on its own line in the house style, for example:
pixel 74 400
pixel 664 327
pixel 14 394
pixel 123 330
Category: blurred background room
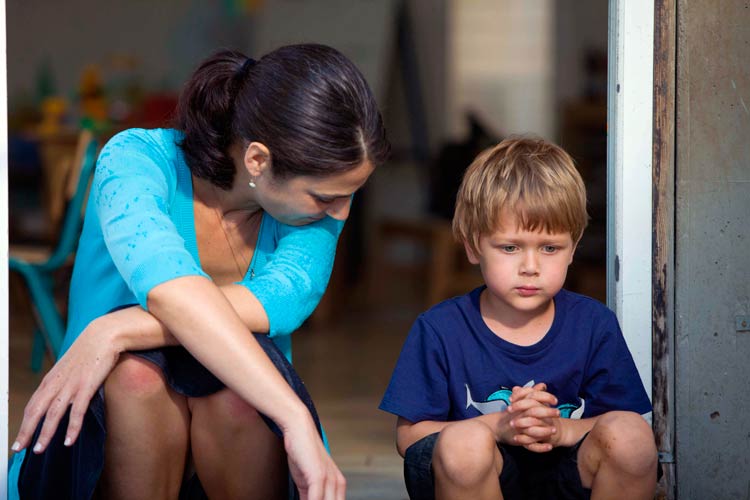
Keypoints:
pixel 451 76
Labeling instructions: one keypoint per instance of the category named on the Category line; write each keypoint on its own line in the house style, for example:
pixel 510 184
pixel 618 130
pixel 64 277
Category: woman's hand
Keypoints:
pixel 316 475
pixel 73 380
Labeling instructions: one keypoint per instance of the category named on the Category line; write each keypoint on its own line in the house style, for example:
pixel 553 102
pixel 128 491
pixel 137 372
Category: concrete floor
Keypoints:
pixel 345 363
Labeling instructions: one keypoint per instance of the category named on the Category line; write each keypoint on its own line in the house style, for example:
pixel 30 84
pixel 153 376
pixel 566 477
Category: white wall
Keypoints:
pixel 501 60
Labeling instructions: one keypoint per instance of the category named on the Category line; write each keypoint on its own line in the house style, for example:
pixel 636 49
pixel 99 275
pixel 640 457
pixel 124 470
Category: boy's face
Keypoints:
pixel 523 270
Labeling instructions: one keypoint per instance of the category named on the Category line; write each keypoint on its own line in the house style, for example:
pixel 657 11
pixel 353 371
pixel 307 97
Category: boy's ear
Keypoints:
pixel 573 252
pixel 257 158
pixel 470 254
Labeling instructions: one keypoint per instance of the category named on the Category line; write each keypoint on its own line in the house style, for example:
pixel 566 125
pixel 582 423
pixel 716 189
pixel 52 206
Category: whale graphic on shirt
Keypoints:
pixel 497 401
pixel 500 400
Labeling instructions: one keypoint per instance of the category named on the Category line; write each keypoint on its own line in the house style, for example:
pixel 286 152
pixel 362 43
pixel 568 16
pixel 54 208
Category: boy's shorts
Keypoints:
pixel 526 475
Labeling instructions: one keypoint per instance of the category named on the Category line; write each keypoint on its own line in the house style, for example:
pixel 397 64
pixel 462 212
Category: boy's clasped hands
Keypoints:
pixel 534 422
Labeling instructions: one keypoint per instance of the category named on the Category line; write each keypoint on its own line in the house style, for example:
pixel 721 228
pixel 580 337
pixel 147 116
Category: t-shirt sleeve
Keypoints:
pixel 291 283
pixel 611 380
pixel 418 389
pixel 131 194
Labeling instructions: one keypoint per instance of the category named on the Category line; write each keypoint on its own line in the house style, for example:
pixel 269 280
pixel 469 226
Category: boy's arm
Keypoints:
pixel 408 433
pixel 571 430
pixel 503 425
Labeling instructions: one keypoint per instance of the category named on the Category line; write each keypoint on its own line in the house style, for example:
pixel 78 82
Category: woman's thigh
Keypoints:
pixel 236 455
pixel 147 432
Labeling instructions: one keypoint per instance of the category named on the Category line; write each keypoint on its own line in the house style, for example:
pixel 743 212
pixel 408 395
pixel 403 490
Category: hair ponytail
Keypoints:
pixel 205 112
pixel 308 104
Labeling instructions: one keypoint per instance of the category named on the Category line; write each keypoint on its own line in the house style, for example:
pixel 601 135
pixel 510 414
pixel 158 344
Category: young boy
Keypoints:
pixel 521 389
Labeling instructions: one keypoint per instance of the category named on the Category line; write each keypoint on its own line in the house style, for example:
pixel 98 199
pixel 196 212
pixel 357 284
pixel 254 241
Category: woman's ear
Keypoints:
pixel 257 158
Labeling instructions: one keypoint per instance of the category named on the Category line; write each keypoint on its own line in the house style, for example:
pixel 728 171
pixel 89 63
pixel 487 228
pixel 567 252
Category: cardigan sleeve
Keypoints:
pixel 294 277
pixel 133 187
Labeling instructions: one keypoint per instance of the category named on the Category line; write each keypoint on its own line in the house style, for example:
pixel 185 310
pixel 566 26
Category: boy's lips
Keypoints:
pixel 527 291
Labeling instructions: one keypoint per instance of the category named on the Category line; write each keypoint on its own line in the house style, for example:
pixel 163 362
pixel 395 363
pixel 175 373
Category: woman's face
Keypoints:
pixel 305 199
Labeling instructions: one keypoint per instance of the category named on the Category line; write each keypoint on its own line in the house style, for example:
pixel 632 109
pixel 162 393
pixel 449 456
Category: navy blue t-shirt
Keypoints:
pixel 453 367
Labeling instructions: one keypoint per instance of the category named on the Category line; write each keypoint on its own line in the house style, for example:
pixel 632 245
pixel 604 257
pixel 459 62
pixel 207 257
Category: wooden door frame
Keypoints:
pixel 641 168
pixel 663 266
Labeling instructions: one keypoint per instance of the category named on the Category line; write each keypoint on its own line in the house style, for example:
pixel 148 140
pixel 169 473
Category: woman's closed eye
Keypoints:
pixel 326 200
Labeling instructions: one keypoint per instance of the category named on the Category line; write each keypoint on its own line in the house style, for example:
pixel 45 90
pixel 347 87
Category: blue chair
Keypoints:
pixel 38 274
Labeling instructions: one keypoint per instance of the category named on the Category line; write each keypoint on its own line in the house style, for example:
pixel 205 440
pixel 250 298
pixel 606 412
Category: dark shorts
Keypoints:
pixel 526 475
pixel 73 472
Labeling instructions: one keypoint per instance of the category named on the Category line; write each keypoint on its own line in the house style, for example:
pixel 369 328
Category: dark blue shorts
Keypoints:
pixel 73 472
pixel 526 475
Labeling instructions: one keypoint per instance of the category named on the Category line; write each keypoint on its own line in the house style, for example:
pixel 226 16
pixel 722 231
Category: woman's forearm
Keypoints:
pixel 203 320
pixel 134 328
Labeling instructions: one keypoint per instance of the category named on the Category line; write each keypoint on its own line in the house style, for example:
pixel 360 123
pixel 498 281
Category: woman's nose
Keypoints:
pixel 339 209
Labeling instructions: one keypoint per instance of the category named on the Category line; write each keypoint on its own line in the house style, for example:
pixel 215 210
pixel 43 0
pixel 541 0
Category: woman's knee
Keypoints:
pixel 466 452
pixel 625 440
pixel 134 377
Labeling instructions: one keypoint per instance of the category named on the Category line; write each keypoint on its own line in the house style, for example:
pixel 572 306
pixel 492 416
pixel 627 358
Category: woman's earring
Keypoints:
pixel 252 184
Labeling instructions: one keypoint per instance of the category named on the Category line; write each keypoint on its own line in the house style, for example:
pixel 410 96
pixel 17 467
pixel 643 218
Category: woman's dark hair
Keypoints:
pixel 307 103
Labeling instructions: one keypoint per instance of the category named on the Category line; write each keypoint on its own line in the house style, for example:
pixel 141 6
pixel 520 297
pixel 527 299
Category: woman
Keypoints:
pixel 193 237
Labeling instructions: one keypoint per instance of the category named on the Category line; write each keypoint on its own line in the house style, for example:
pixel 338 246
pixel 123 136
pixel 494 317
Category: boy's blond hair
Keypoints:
pixel 532 178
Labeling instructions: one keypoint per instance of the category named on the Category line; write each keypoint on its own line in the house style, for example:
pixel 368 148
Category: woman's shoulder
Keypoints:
pixel 138 151
pixel 165 139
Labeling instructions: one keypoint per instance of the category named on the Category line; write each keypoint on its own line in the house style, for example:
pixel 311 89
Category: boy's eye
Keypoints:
pixel 549 249
pixel 321 199
pixel 509 248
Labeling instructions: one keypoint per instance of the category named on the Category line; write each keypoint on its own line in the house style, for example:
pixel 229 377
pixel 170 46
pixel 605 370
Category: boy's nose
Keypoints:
pixel 530 263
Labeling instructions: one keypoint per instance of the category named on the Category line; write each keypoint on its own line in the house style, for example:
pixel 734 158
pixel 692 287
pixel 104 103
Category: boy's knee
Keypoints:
pixel 134 377
pixel 465 453
pixel 626 441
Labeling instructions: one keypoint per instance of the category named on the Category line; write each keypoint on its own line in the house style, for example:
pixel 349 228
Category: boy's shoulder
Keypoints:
pixel 582 305
pixel 448 308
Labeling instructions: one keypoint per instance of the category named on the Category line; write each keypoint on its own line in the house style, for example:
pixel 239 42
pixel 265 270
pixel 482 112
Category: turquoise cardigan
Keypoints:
pixel 139 232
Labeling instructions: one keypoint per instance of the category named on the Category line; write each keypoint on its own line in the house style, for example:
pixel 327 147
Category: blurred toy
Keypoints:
pixel 53 110
pixel 93 100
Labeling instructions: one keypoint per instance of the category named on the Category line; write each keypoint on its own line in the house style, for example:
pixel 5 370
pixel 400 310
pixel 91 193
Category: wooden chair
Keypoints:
pixel 445 270
pixel 37 266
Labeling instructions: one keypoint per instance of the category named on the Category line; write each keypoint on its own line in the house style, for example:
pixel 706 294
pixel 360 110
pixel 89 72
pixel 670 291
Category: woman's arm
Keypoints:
pixel 134 329
pixel 200 317
pixel 203 320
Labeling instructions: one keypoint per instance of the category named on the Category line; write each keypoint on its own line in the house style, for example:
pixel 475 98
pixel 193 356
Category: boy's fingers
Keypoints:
pixel 539 447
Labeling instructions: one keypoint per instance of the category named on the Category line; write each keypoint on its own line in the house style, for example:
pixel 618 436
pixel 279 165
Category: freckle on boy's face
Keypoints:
pixel 523 269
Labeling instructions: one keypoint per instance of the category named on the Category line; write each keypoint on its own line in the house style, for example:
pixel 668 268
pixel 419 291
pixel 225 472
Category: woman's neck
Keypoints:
pixel 240 198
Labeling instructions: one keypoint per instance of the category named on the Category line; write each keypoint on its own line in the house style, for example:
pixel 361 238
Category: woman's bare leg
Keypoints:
pixel 235 453
pixel 147 434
